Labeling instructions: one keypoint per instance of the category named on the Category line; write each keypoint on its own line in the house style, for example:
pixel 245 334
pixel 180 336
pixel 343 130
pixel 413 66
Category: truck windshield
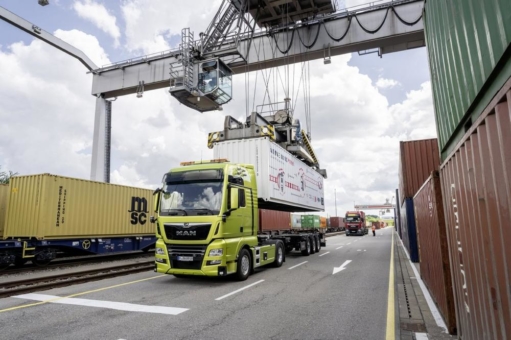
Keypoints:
pixel 352 219
pixel 192 193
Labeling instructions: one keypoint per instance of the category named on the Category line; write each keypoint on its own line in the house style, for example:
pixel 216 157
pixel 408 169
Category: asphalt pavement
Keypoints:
pixel 339 293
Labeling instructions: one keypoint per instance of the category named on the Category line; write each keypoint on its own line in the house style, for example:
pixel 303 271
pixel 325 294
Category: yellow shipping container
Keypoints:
pixel 48 206
pixel 322 222
pixel 4 191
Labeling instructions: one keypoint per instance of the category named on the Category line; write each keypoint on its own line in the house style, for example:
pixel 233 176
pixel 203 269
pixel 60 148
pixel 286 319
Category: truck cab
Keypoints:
pixel 355 223
pixel 207 222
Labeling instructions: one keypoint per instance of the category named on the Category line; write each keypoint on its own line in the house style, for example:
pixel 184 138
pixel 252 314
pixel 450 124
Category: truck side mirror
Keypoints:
pixel 156 200
pixel 234 198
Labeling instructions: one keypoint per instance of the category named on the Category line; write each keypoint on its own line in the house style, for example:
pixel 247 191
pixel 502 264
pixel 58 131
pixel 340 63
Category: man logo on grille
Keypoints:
pixel 138 210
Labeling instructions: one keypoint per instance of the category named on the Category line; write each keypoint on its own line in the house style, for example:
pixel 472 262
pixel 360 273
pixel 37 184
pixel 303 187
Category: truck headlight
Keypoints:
pixel 216 252
pixel 160 251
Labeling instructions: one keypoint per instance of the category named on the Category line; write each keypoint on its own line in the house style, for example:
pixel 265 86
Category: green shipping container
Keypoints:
pixel 310 221
pixel 469 51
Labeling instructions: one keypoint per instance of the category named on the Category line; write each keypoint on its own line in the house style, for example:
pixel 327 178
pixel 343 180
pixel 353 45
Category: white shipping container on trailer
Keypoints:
pixel 282 179
pixel 296 221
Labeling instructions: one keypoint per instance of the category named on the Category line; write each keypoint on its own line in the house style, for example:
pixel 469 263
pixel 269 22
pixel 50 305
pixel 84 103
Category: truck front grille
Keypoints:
pixel 187 231
pixel 177 251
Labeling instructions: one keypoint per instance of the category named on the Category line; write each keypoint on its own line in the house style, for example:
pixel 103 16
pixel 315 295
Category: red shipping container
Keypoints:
pixel 336 222
pixel 476 183
pixel 435 268
pixel 272 220
pixel 416 161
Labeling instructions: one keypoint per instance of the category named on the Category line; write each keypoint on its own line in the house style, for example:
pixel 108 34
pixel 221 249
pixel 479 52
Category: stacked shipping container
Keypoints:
pixel 417 160
pixel 469 47
pixel 435 268
pixel 476 182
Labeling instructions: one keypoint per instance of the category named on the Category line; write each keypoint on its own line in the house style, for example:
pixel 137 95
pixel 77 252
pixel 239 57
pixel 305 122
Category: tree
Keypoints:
pixel 5 177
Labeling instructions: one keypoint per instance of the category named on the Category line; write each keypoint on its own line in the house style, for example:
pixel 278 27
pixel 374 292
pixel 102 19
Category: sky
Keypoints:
pixel 361 106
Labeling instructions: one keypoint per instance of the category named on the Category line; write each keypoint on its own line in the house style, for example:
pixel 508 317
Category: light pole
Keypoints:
pixel 335 195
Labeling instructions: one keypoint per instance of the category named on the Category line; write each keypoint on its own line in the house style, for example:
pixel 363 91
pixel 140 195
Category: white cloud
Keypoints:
pixel 150 24
pixel 383 83
pixel 99 16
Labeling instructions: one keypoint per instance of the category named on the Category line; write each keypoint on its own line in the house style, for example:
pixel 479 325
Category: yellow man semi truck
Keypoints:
pixel 207 212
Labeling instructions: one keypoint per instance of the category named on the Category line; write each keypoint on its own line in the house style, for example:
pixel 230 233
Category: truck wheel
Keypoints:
pixel 347 234
pixel 313 244
pixel 279 254
pixel 244 265
pixel 318 244
pixel 307 250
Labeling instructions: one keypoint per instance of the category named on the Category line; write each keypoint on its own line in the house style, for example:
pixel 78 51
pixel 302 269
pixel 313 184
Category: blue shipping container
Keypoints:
pixel 408 229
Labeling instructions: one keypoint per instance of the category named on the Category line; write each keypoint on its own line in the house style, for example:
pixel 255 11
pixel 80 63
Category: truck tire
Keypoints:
pixel 279 254
pixel 347 234
pixel 313 244
pixel 307 250
pixel 244 265
pixel 318 244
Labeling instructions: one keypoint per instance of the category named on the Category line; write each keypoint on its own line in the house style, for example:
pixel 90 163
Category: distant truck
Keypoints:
pixel 355 223
pixel 208 222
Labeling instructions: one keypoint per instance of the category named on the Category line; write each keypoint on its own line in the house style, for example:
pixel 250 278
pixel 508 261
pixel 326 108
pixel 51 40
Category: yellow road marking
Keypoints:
pixel 391 317
pixel 78 294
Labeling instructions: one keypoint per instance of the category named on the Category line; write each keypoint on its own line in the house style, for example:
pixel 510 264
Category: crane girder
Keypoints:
pixel 340 33
pixel 41 34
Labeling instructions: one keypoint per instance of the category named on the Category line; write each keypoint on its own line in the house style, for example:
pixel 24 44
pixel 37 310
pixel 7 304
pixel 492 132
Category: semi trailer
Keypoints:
pixel 208 223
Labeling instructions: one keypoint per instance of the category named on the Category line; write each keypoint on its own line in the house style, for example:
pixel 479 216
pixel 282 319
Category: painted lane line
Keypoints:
pixel 81 293
pixel 359 249
pixel 324 253
pixel 421 336
pixel 128 307
pixel 339 247
pixel 239 290
pixel 341 268
pixel 299 264
pixel 349 243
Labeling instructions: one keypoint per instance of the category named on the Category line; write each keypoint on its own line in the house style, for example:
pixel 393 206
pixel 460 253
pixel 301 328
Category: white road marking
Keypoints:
pixel 349 243
pixel 129 307
pixel 421 336
pixel 339 247
pixel 359 249
pixel 341 268
pixel 324 253
pixel 299 264
pixel 239 290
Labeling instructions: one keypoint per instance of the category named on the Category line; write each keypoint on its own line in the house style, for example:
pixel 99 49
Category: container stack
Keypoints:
pixel 435 268
pixel 418 159
pixel 469 47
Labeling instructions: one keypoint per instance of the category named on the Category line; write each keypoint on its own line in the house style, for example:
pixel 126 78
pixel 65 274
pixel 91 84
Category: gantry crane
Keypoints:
pixel 244 36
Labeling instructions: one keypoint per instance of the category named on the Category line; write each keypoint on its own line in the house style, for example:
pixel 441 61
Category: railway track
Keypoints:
pixel 28 285
pixel 67 262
